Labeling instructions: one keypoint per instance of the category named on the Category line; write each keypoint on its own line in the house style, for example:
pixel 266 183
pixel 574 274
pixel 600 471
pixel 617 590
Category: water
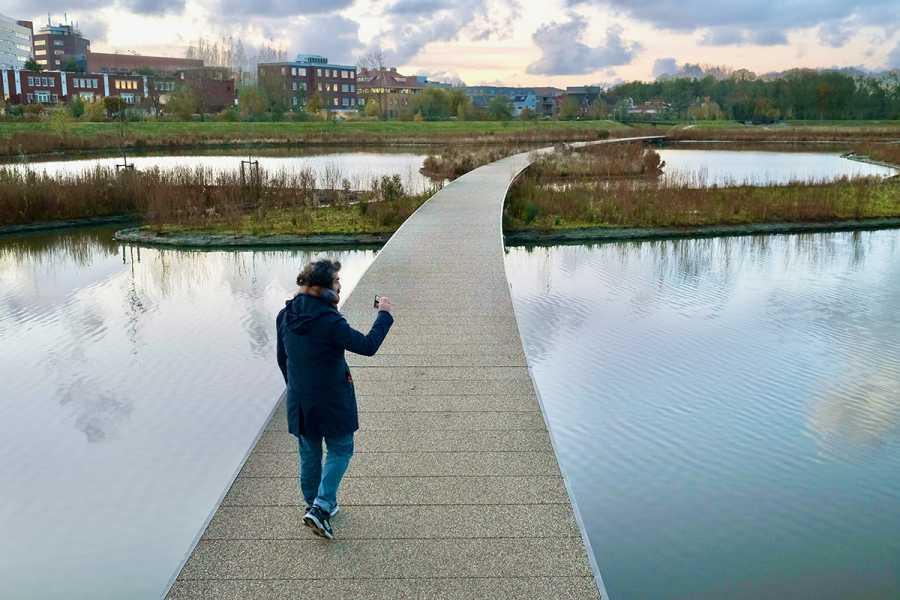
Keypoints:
pixel 705 167
pixel 132 384
pixel 727 410
pixel 329 165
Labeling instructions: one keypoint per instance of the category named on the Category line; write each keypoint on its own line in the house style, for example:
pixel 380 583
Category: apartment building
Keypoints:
pixel 55 45
pixel 15 43
pixel 54 87
pixel 312 75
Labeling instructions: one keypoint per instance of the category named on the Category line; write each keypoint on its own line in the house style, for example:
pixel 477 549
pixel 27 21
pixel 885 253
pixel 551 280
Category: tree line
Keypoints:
pixel 798 94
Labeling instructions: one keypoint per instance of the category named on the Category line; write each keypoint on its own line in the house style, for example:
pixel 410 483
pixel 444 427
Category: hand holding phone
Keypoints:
pixel 377 299
pixel 383 303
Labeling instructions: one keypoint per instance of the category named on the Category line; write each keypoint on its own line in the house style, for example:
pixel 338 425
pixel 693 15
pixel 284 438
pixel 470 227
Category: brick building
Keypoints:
pixel 214 86
pixel 55 45
pixel 55 87
pixel 102 62
pixel 15 43
pixel 312 75
pixel 391 90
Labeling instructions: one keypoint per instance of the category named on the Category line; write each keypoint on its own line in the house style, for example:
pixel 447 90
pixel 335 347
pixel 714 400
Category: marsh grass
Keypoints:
pixel 591 198
pixel 196 199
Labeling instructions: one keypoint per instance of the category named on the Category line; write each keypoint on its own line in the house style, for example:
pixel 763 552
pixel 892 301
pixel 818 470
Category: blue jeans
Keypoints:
pixel 319 485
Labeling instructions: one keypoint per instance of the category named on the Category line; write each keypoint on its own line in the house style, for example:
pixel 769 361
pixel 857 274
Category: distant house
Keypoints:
pixel 650 109
pixel 389 88
pixel 521 98
pixel 547 105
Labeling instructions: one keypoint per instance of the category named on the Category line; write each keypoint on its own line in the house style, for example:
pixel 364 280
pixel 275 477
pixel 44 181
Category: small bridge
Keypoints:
pixel 455 490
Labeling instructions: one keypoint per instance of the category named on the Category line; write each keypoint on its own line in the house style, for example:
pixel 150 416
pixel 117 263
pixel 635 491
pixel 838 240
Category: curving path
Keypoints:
pixel 455 490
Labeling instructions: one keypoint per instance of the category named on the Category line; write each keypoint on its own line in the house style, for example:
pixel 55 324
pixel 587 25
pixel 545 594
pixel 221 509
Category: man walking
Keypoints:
pixel 321 402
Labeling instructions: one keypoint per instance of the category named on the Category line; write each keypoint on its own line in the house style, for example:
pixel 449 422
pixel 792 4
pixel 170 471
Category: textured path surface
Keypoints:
pixel 455 491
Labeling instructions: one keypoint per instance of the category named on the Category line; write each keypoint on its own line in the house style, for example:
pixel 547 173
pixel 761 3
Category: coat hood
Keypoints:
pixel 303 310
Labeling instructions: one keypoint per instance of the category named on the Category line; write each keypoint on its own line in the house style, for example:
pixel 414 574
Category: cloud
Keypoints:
pixel 278 8
pixel 563 52
pixel 735 36
pixel 893 60
pixel 835 34
pixel 413 24
pixel 749 22
pixel 665 66
pixel 334 36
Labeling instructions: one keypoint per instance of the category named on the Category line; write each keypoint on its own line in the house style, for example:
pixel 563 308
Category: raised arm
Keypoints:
pixel 350 339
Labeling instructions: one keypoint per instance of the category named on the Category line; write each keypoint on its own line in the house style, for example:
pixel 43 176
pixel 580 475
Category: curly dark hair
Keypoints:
pixel 320 273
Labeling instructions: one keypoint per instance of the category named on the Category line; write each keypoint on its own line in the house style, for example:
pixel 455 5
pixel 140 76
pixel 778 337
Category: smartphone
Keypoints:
pixel 377 300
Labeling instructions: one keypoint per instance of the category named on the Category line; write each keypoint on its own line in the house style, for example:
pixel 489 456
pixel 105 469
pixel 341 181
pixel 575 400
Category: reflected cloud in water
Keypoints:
pixel 705 391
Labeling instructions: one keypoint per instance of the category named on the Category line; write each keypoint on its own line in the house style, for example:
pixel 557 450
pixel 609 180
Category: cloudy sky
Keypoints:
pixel 555 42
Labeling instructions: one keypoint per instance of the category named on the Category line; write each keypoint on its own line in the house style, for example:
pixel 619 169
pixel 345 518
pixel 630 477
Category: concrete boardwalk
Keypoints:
pixel 455 491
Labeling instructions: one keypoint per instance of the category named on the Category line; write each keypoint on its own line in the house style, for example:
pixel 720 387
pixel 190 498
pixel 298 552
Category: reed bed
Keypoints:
pixel 614 186
pixel 200 198
pixel 456 161
pixel 627 159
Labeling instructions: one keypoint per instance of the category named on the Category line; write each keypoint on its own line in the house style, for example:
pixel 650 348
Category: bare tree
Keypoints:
pixel 372 64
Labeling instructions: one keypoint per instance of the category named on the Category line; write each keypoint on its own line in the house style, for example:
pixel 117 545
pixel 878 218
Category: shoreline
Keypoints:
pixel 40 226
pixel 511 238
pixel 137 235
pixel 609 234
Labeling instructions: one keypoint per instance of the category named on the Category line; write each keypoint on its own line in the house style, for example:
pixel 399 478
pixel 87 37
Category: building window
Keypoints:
pixel 294 71
pixel 29 98
pixel 30 81
pixel 284 70
pixel 54 98
pixel 302 71
pixel 353 87
pixel 40 52
pixel 40 42
pixel 345 87
pixel 318 72
pixel 42 97
pixel 360 101
pixel 320 86
pixel 303 85
pixel 346 102
pixel 42 62
pixel 352 74
pixel 58 52
pixel 58 43
pixel 294 86
pixel 335 101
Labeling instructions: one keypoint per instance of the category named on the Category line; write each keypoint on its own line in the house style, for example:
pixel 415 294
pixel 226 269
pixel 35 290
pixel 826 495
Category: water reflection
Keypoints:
pixel 133 382
pixel 708 167
pixel 727 409
pixel 330 165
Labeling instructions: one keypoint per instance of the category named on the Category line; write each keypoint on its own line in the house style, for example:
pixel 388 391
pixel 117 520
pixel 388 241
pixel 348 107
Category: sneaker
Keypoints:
pixel 319 521
pixel 333 512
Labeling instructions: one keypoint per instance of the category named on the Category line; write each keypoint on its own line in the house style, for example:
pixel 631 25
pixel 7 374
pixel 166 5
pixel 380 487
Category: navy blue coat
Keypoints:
pixel 312 338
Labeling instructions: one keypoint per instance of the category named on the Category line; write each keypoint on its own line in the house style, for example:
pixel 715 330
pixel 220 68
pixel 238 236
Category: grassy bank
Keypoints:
pixel 580 190
pixel 17 138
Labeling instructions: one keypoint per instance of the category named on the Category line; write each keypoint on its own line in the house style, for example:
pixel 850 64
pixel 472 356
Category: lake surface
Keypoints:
pixel 132 385
pixel 727 410
pixel 706 167
pixel 329 165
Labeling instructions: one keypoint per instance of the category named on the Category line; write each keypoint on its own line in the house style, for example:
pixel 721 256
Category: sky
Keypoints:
pixel 515 42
